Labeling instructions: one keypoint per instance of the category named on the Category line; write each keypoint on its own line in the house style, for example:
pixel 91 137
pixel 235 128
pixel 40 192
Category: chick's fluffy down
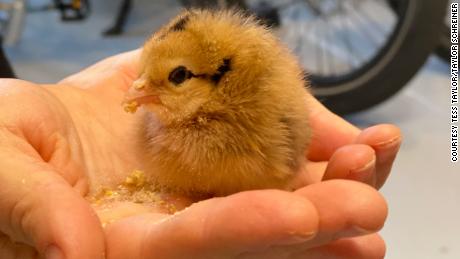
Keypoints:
pixel 231 113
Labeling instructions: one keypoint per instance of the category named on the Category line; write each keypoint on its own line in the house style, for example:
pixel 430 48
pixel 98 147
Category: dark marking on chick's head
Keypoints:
pixel 180 24
pixel 221 71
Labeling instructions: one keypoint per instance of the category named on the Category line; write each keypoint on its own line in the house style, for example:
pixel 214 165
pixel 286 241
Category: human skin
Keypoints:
pixel 59 142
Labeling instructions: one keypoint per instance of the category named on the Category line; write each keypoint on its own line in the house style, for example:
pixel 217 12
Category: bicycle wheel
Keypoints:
pixel 357 53
pixel 443 50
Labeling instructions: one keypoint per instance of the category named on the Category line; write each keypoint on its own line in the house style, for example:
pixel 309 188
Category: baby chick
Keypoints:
pixel 224 106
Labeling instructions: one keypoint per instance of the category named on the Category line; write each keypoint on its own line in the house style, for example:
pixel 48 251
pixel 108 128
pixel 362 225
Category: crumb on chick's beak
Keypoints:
pixel 137 95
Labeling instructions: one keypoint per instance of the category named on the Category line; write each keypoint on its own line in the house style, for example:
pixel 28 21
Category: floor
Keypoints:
pixel 424 189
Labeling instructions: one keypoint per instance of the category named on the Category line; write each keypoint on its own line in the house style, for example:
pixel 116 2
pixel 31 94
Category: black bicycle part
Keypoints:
pixel 6 71
pixel 73 10
pixel 443 49
pixel 120 21
pixel 408 48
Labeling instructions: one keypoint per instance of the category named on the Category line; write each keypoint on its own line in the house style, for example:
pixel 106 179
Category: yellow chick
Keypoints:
pixel 224 106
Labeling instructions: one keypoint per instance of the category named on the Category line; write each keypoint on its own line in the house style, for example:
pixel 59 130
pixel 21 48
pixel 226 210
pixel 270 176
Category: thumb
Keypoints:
pixel 39 208
pixel 121 70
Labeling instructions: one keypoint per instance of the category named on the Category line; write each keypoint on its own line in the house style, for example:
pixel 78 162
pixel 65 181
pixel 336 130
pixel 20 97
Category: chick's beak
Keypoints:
pixel 141 94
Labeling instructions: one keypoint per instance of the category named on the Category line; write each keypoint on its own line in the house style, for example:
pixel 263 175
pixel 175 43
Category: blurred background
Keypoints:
pixel 340 46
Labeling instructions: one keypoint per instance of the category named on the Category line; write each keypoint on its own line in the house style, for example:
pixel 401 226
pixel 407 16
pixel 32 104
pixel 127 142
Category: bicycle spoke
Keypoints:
pixel 381 30
pixel 318 57
pixel 330 57
pixel 350 53
pixel 356 53
pixel 363 28
pixel 333 38
pixel 331 50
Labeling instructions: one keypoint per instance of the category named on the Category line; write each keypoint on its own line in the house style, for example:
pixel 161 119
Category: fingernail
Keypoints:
pixel 53 252
pixel 389 143
pixel 364 231
pixel 364 168
pixel 297 238
pixel 356 231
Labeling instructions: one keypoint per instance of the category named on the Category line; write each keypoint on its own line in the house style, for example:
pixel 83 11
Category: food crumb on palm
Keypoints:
pixel 135 189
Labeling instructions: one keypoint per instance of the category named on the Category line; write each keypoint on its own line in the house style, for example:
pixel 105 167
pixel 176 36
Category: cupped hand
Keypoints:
pixel 43 178
pixel 59 142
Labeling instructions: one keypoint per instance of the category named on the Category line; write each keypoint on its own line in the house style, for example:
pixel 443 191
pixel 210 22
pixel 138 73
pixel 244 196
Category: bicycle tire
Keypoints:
pixel 407 51
pixel 443 49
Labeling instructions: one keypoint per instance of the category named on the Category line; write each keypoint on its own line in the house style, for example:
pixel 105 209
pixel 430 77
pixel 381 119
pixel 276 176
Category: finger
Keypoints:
pixel 272 221
pixel 312 173
pixel 12 250
pixel 352 162
pixel 127 63
pixel 222 226
pixel 40 209
pixel 345 209
pixel 329 131
pixel 385 140
pixel 121 70
pixel 128 238
pixel 364 247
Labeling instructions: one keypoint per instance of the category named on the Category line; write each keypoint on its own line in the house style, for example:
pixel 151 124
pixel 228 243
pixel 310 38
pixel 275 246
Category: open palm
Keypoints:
pixel 78 137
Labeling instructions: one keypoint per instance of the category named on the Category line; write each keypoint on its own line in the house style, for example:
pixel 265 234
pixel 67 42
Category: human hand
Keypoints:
pixel 43 179
pixel 339 150
pixel 89 104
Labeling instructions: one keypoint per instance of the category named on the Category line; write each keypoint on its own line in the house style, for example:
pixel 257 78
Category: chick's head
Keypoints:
pixel 203 62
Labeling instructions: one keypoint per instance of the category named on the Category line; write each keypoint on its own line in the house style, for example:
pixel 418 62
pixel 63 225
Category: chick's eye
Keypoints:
pixel 179 75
